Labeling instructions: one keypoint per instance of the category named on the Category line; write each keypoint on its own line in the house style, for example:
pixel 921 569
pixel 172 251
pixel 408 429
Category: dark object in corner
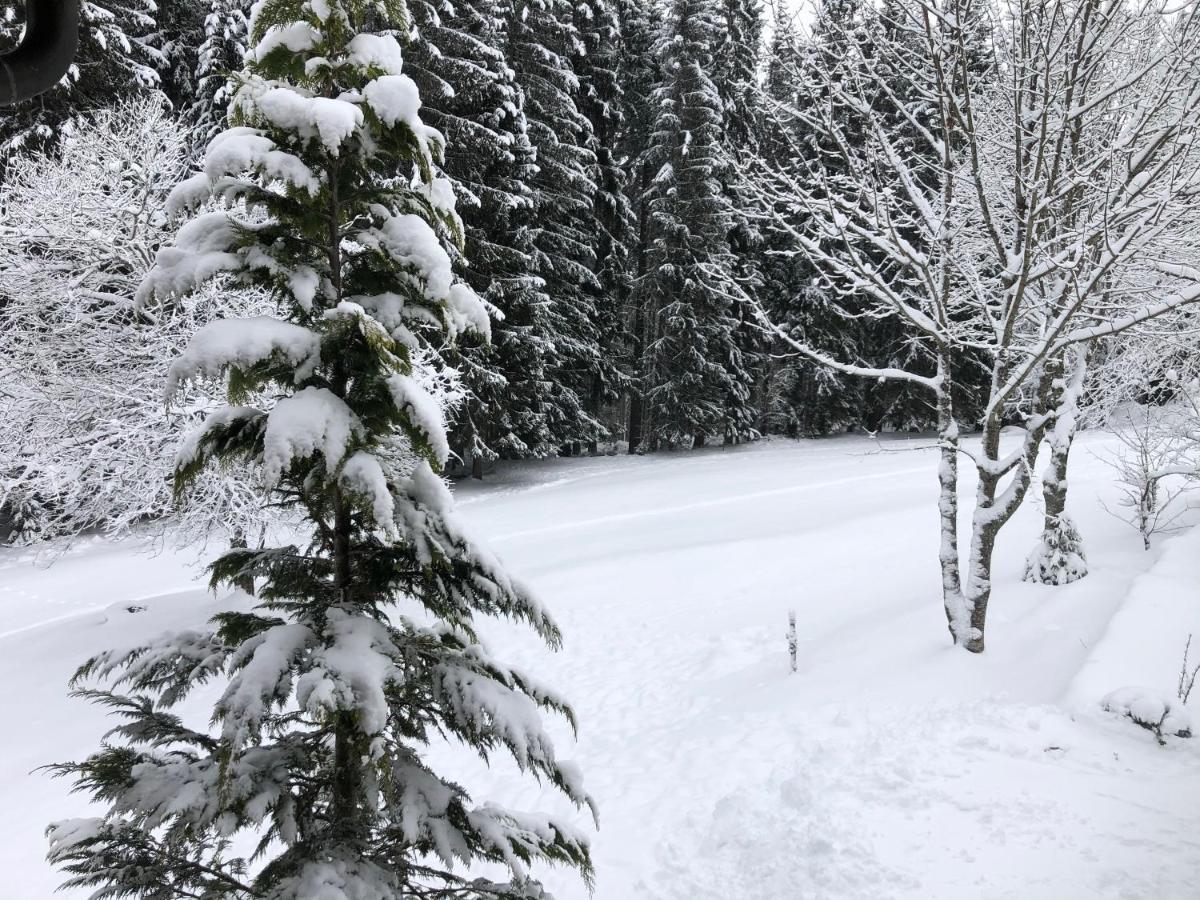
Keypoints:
pixel 44 54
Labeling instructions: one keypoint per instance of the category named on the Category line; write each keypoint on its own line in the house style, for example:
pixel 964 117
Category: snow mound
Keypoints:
pixel 1151 709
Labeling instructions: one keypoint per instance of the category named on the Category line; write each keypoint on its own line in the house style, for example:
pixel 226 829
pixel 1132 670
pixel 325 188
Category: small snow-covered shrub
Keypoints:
pixel 1149 398
pixel 1058 557
pixel 1151 710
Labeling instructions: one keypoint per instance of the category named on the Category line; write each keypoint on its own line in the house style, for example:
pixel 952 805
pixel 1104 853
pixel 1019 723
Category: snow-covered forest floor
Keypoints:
pixel 890 765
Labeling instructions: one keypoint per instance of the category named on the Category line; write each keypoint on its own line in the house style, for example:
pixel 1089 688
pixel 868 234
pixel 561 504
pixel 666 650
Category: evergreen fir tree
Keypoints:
pixel 542 42
pixel 116 57
pixel 218 57
pixel 735 72
pixel 178 35
pixel 363 647
pixel 904 108
pixel 693 364
pixel 640 74
pixel 805 398
pixel 603 69
pixel 458 59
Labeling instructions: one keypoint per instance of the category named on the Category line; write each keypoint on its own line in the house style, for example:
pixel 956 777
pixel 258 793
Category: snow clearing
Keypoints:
pixel 891 764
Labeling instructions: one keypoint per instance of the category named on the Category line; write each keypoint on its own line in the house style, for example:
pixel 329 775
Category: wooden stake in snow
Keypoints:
pixel 791 637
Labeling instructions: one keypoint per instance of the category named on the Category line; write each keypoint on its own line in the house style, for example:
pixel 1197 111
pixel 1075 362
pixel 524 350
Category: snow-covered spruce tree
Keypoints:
pixel 542 44
pixel 218 57
pixel 692 364
pixel 603 70
pixel 736 62
pixel 807 398
pixel 116 57
pixel 457 57
pixel 84 444
pixel 641 72
pixel 363 648
pixel 177 36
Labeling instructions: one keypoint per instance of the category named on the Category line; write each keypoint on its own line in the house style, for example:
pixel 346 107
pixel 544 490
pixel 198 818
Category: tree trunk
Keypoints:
pixel 952 597
pixel 991 513
pixel 1058 557
pixel 244 583
pixel 640 327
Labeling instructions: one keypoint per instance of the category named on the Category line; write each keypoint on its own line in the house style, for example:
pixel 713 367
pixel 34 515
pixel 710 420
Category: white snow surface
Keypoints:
pixel 891 765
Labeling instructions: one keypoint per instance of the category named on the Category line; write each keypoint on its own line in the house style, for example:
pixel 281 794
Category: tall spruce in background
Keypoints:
pixel 804 398
pixel 218 57
pixel 905 106
pixel 603 68
pixel 178 35
pixel 736 65
pixel 641 72
pixel 542 46
pixel 692 364
pixel 458 58
pixel 117 57
pixel 313 756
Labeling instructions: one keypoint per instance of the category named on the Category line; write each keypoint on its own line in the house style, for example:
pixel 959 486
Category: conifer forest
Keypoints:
pixel 608 449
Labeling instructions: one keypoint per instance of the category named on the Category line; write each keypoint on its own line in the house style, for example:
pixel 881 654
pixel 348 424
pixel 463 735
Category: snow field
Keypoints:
pixel 890 765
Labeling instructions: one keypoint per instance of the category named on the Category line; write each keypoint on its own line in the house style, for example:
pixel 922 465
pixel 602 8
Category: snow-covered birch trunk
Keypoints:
pixel 957 617
pixel 1058 557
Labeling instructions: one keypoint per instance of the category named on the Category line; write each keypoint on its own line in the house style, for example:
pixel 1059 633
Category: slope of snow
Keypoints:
pixel 889 765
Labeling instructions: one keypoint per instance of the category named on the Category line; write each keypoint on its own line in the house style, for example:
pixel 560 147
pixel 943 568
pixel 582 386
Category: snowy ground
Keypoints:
pixel 891 765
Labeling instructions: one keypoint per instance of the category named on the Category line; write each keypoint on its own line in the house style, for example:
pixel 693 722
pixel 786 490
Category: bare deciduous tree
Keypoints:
pixel 1044 206
pixel 84 442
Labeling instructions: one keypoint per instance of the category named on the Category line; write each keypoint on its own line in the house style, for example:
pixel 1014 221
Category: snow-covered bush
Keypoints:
pixel 1058 557
pixel 363 648
pixel 1148 396
pixel 1152 710
pixel 84 441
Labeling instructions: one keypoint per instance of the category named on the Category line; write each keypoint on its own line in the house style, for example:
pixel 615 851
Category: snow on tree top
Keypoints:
pixel 380 51
pixel 296 36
